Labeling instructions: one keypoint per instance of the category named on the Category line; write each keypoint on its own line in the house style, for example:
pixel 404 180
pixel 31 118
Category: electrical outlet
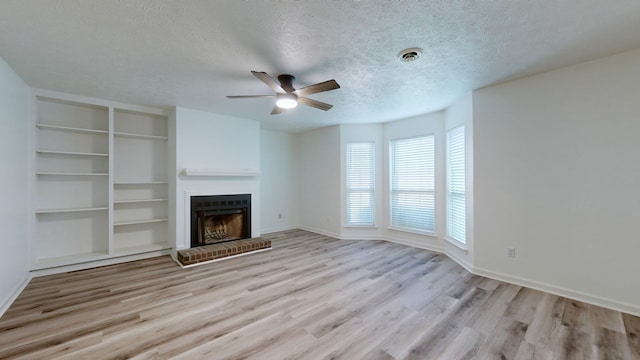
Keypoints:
pixel 511 252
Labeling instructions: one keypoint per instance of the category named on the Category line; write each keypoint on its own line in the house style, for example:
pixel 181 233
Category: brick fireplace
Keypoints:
pixel 220 228
pixel 220 218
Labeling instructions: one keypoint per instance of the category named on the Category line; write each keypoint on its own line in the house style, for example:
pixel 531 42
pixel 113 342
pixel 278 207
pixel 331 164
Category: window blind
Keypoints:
pixel 413 183
pixel 456 225
pixel 360 183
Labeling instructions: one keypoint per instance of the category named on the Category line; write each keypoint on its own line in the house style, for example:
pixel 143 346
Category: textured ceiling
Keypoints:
pixel 193 53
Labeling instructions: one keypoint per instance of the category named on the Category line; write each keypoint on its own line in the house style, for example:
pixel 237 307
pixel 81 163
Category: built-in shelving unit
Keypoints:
pixel 140 187
pixel 100 181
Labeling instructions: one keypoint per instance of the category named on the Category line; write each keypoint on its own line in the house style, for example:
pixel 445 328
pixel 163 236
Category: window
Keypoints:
pixel 360 183
pixel 413 183
pixel 456 184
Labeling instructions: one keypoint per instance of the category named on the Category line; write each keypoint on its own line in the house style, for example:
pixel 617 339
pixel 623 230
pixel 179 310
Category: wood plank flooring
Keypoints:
pixel 311 297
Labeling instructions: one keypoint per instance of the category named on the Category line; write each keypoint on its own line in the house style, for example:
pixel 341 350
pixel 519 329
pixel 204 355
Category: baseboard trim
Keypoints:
pixel 460 261
pixel 321 232
pixel 278 229
pixel 560 291
pixel 431 247
pixel 13 295
pixel 361 237
pixel 98 263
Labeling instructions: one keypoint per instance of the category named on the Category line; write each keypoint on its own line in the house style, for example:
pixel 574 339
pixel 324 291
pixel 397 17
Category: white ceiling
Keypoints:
pixel 193 53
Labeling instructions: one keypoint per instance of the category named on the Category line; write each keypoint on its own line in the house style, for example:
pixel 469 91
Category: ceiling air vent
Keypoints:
pixel 410 54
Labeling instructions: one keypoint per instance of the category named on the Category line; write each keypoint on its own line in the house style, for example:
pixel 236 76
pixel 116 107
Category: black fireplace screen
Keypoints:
pixel 220 218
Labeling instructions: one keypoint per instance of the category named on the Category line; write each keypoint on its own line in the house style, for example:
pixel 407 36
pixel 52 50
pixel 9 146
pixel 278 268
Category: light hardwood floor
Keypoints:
pixel 311 297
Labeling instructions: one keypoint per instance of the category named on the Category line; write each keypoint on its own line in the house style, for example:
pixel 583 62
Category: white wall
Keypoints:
pixel 278 181
pixel 461 113
pixel 419 125
pixel 14 198
pixel 319 180
pixel 214 142
pixel 557 177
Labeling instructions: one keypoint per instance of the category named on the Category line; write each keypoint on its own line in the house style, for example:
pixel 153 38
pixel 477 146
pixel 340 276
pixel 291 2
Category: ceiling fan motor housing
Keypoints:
pixel 286 81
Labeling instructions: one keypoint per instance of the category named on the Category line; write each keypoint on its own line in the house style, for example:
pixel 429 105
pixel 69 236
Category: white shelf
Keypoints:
pixel 141 221
pixel 72 129
pixel 219 172
pixel 123 251
pixel 138 201
pixel 50 152
pixel 140 183
pixel 140 136
pixel 71 174
pixel 58 211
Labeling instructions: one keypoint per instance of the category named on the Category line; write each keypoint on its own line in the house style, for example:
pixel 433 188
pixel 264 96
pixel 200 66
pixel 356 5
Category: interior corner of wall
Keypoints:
pixel 462 261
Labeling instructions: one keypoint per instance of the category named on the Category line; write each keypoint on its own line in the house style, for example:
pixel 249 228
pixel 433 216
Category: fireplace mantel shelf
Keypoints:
pixel 218 172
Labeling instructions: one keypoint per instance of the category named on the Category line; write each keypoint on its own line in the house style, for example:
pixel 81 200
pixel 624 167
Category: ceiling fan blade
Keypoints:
pixel 249 96
pixel 314 103
pixel 319 87
pixel 271 82
pixel 277 110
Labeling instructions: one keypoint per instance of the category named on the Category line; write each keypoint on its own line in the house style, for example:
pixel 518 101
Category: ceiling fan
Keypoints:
pixel 288 97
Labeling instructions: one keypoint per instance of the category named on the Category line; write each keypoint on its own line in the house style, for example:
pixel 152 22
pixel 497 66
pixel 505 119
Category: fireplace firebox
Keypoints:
pixel 220 218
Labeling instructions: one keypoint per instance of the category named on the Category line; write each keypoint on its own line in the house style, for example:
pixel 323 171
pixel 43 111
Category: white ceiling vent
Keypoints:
pixel 410 54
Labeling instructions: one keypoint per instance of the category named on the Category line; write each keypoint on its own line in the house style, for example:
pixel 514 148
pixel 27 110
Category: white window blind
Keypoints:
pixel 413 183
pixel 456 225
pixel 360 183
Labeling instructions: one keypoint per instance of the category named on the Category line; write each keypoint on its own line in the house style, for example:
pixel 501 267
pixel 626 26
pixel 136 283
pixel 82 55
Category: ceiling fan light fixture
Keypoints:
pixel 286 101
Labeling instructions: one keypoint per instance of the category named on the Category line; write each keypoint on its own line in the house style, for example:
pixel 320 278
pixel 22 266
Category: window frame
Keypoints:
pixel 452 232
pixel 370 189
pixel 430 168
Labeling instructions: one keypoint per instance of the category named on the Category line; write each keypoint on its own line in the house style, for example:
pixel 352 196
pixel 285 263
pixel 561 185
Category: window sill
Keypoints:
pixel 460 245
pixel 372 227
pixel 413 231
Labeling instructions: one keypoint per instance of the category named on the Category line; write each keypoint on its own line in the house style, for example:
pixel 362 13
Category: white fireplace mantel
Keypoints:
pixel 221 172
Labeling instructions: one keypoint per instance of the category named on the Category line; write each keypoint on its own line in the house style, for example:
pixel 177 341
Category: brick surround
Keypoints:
pixel 218 251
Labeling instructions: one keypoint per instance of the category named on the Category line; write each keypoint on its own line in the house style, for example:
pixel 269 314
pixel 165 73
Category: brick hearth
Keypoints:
pixel 218 251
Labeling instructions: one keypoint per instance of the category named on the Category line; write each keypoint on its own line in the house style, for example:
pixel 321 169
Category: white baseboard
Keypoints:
pixel 321 232
pixel 13 295
pixel 93 264
pixel 431 247
pixel 462 262
pixel 561 291
pixel 278 229
pixel 361 237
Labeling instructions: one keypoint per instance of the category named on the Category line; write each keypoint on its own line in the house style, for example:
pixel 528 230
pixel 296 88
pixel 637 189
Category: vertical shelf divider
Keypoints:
pixel 111 181
pixel 33 184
